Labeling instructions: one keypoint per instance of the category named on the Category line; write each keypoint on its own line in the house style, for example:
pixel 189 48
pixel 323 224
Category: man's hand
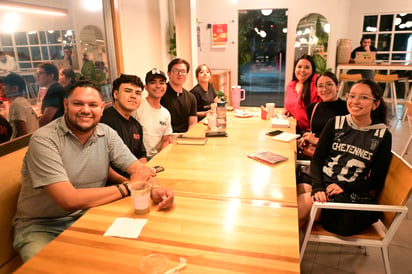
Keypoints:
pixel 162 197
pixel 143 173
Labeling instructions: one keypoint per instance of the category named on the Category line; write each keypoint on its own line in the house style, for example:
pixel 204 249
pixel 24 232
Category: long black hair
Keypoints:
pixel 305 94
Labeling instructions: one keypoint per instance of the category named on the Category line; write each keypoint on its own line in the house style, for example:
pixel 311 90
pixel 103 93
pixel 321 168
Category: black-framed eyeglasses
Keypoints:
pixel 179 71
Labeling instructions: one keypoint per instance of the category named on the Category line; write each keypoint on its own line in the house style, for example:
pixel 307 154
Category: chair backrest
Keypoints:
pixel 350 77
pixel 385 78
pixel 398 186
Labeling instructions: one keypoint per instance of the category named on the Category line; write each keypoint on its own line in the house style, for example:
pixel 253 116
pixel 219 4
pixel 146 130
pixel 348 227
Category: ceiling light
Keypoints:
pixel 266 12
pixel 22 7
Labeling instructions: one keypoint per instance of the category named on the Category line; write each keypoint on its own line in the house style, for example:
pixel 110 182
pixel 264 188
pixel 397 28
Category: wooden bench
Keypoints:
pixel 10 174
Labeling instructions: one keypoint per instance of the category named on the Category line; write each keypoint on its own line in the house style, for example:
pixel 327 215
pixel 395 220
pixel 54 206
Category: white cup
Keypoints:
pixel 270 108
pixel 141 199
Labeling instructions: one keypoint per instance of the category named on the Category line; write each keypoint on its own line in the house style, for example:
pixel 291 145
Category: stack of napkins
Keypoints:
pixel 286 137
pixel 280 122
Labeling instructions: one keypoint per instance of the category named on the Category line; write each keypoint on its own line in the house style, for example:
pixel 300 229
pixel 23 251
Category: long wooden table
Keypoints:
pixel 381 66
pixel 232 214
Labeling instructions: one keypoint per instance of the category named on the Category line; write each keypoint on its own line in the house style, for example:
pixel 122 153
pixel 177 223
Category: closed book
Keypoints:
pixel 286 137
pixel 267 157
pixel 191 140
pixel 280 122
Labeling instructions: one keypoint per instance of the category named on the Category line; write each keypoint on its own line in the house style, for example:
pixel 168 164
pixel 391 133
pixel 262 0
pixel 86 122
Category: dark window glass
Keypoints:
pixel 20 38
pixel 370 23
pixel 53 36
pixel 382 57
pixel 35 53
pixel 42 36
pixel 399 56
pixel 384 42
pixel 56 52
pixel 5 40
pixel 400 42
pixel 386 23
pixel 45 53
pixel 23 54
pixel 8 51
pixel 68 37
pixel 25 65
pixel 36 64
pixel 33 38
pixel 401 20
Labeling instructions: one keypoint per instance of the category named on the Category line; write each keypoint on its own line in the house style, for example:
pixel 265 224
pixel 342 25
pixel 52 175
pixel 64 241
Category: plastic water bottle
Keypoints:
pixel 221 114
pixel 211 117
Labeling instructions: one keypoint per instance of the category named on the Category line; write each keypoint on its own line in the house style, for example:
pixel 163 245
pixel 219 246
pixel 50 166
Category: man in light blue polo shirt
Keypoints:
pixel 65 170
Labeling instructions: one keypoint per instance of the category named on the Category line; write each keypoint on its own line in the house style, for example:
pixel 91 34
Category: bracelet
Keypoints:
pixel 121 191
pixel 126 185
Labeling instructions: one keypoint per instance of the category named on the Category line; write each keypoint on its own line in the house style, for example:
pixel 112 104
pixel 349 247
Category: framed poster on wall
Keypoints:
pixel 219 35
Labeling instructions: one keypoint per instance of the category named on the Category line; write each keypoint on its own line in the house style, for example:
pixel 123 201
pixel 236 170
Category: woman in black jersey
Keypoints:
pixel 351 160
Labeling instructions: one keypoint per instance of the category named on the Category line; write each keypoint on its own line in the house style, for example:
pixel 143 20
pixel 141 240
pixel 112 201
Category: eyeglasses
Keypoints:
pixel 328 86
pixel 38 73
pixel 360 97
pixel 179 71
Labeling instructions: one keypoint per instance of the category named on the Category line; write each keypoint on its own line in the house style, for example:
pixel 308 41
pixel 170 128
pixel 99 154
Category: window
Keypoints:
pixel 392 36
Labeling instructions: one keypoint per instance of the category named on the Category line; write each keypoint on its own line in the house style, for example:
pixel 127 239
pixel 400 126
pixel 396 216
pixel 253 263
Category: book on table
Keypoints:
pixel 286 137
pixel 280 122
pixel 267 156
pixel 191 140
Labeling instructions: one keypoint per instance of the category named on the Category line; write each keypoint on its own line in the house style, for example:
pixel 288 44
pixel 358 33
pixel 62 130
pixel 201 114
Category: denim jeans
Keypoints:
pixel 29 240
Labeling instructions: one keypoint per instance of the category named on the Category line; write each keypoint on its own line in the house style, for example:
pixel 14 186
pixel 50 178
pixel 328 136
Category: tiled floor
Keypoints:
pixel 328 258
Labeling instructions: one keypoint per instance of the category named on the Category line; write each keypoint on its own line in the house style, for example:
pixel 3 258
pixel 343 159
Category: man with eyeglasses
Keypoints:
pixel 47 76
pixel 127 96
pixel 180 102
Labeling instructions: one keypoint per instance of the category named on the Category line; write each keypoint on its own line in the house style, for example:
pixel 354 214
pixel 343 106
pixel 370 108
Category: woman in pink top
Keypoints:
pixel 301 91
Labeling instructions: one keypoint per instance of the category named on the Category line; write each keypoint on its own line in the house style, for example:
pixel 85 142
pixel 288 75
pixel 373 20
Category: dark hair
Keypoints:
pixel 199 68
pixel 364 37
pixel 49 68
pixel 379 114
pixel 328 74
pixel 69 73
pixel 178 61
pixel 14 79
pixel 305 94
pixel 126 78
pixel 84 84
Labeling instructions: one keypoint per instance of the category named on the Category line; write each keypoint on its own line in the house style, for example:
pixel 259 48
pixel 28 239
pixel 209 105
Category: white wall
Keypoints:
pixel 145 31
pixel 144 26
pixel 225 11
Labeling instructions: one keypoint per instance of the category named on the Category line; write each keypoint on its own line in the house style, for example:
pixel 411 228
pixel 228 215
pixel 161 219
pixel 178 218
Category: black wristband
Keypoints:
pixel 126 185
pixel 121 191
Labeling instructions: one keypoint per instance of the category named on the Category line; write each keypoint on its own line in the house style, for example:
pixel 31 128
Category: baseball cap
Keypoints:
pixel 154 72
pixel 14 80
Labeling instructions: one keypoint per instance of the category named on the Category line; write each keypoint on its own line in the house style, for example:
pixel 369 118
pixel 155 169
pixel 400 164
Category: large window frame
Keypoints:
pixel 391 34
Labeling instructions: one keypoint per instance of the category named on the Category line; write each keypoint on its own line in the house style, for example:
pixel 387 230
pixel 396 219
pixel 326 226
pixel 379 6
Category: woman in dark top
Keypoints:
pixel 320 112
pixel 351 159
pixel 204 92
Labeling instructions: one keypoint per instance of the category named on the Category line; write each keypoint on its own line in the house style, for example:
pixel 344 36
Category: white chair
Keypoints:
pixel 408 106
pixel 391 202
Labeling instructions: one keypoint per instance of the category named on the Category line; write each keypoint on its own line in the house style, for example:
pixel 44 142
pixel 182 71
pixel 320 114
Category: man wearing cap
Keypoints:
pixel 180 102
pixel 154 118
pixel 22 117
pixel 127 95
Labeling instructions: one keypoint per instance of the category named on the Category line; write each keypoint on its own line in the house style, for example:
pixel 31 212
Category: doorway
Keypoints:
pixel 262 55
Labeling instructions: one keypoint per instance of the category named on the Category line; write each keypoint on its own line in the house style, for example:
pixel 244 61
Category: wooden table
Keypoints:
pixel 381 66
pixel 221 167
pixel 232 214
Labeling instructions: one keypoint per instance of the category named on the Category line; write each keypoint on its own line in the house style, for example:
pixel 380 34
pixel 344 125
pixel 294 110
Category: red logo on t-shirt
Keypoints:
pixel 136 136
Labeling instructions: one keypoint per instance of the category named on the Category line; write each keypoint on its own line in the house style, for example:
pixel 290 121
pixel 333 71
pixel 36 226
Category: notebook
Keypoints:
pixel 364 57
pixel 286 137
pixel 267 157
